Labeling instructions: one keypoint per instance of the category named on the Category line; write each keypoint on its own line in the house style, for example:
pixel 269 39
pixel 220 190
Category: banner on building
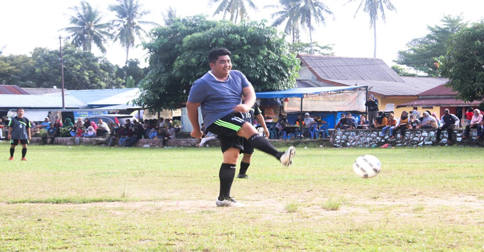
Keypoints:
pixel 348 100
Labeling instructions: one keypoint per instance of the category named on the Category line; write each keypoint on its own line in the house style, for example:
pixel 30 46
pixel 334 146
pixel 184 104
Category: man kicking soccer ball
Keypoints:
pixel 219 93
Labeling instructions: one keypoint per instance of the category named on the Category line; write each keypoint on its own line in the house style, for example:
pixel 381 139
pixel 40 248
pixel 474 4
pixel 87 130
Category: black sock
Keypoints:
pixel 24 152
pixel 12 151
pixel 260 143
pixel 243 167
pixel 226 176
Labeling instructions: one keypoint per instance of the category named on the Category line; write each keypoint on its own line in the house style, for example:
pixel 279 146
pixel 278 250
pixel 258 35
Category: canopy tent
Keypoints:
pixel 302 92
pixel 330 98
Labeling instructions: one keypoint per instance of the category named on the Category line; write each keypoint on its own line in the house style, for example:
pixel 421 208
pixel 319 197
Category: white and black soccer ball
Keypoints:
pixel 367 166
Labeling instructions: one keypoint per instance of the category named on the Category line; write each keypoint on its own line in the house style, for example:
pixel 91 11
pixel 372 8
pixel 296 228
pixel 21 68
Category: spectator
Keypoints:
pixel 281 124
pixel 372 104
pixel 68 123
pixel 346 122
pixel 364 124
pixel 469 115
pixel 391 122
pixel 475 121
pixel 402 125
pixel 1 129
pixel 138 133
pixel 79 123
pixel 87 123
pixel 78 136
pixel 113 136
pixel 480 130
pixel 153 132
pixel 46 124
pixel 52 133
pixel 128 124
pixel 447 122
pixel 340 122
pixel 90 132
pixel 123 135
pixel 308 121
pixel 436 118
pixel 381 121
pixel 428 122
pixel 414 122
pixel 103 128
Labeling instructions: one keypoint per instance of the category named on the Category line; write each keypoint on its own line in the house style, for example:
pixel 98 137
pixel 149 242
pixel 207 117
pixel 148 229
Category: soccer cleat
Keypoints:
pixel 11 158
pixel 286 158
pixel 228 202
pixel 243 176
pixel 23 159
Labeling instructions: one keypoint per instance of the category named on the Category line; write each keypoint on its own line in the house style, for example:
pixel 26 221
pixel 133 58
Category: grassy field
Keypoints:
pixel 149 199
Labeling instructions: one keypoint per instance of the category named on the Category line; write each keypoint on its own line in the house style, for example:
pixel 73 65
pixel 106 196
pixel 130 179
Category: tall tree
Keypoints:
pixel 87 28
pixel 463 63
pixel 375 8
pixel 309 13
pixel 127 25
pixel 423 52
pixel 292 23
pixel 169 16
pixel 236 8
pixel 179 57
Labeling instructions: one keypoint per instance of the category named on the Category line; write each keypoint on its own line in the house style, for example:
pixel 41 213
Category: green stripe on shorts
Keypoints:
pixel 227 125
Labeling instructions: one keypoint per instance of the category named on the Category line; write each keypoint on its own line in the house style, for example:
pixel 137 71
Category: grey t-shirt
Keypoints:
pixel 218 98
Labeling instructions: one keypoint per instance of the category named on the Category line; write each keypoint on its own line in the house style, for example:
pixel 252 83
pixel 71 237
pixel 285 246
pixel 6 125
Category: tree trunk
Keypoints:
pixel 374 39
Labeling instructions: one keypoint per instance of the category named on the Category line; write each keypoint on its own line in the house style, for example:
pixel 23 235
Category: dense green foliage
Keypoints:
pixel 464 61
pixel 82 70
pixel 422 53
pixel 178 56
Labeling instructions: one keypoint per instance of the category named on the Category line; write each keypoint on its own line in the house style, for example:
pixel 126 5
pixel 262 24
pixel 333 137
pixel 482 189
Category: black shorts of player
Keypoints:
pixel 248 149
pixel 22 141
pixel 226 129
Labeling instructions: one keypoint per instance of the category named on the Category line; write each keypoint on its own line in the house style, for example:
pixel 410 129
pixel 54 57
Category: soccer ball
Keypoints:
pixel 367 166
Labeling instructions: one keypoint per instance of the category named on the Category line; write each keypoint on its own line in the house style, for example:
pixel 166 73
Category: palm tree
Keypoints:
pixel 292 24
pixel 236 8
pixel 307 13
pixel 87 28
pixel 373 8
pixel 169 16
pixel 127 26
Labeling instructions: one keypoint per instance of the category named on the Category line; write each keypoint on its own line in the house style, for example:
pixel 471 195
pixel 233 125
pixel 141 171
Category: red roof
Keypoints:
pixel 439 90
pixel 11 89
pixel 439 102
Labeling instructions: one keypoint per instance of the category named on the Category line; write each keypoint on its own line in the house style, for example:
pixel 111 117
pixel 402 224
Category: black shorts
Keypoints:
pixel 248 148
pixel 226 129
pixel 15 141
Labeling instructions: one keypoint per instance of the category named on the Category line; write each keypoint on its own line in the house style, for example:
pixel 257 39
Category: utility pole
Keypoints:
pixel 62 72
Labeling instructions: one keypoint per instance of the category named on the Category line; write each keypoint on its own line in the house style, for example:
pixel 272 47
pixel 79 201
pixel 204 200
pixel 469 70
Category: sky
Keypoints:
pixel 27 24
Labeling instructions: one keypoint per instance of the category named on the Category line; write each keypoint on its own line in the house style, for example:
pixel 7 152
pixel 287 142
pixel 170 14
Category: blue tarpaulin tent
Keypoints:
pixel 304 92
pixel 301 92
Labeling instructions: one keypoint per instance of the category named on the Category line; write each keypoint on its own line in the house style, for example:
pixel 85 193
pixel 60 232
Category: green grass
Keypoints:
pixel 150 199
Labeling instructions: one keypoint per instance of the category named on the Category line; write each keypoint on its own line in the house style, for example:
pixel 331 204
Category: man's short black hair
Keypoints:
pixel 20 109
pixel 215 53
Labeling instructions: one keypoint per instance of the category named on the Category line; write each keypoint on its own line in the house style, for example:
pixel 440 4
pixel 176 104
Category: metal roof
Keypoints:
pixel 11 89
pixel 439 102
pixel 48 101
pixel 93 95
pixel 300 92
pixel 412 86
pixel 343 68
pixel 120 98
pixel 305 84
